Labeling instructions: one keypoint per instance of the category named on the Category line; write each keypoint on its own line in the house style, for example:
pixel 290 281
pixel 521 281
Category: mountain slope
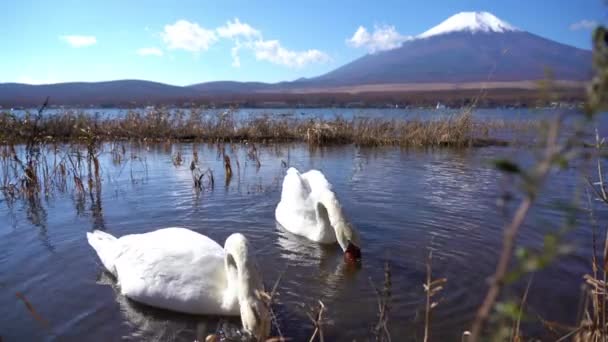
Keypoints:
pixel 98 93
pixel 230 87
pixel 463 56
pixel 467 47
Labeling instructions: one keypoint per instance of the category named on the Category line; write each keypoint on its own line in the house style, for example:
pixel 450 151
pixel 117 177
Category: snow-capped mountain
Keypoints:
pixel 467 47
pixel 470 22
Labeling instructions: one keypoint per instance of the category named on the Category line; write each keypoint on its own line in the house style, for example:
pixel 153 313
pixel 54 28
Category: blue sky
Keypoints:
pixel 186 42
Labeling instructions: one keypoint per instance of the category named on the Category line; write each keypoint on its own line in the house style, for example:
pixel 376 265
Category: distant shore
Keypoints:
pixel 506 94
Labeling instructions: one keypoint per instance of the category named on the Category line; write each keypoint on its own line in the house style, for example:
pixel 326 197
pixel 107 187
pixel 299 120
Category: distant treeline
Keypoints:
pixel 451 98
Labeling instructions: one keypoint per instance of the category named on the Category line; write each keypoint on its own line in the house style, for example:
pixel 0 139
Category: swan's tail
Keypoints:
pixel 106 247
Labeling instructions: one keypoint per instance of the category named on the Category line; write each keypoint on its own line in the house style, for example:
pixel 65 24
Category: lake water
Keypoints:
pixel 403 202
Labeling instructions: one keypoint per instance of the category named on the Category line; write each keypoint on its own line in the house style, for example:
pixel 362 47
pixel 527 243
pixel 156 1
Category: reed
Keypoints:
pixel 228 169
pixel 592 323
pixel 177 159
pixel 315 315
pixel 161 125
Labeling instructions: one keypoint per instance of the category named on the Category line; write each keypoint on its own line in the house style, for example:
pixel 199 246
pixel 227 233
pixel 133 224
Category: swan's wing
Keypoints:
pixel 173 268
pixel 325 232
pixel 316 181
pixel 295 188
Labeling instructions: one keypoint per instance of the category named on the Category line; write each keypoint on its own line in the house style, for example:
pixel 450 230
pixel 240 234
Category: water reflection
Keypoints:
pixel 152 324
pixel 37 215
pixel 97 210
pixel 333 273
pixel 299 250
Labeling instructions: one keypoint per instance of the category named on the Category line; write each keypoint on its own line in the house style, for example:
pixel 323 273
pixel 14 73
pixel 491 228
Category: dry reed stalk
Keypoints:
pixel 316 317
pixel 592 326
pixel 253 155
pixel 177 159
pixel 431 288
pixel 32 310
pixel 269 299
pixel 380 330
pixel 198 175
pixel 195 155
pixel 163 125
pixel 516 328
pixel 228 169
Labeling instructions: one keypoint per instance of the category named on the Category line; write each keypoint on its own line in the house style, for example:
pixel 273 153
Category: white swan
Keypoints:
pixel 309 208
pixel 184 271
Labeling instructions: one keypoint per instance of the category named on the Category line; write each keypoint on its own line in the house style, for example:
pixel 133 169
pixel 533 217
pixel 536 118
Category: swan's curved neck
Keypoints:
pixel 244 280
pixel 336 218
pixel 246 284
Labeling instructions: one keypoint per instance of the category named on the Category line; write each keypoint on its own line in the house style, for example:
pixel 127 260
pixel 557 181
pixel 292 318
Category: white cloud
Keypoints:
pixel 272 51
pixel 235 28
pixel 583 25
pixel 383 38
pixel 236 59
pixel 188 36
pixel 150 51
pixel 79 41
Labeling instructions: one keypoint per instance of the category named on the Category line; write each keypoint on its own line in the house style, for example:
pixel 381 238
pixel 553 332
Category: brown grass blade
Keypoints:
pixel 32 310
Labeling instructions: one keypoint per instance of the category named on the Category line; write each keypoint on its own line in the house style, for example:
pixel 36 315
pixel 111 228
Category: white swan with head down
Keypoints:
pixel 181 270
pixel 310 208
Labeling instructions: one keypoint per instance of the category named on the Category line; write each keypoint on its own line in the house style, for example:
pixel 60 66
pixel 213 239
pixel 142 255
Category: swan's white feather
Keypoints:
pixel 106 247
pixel 308 206
pixel 171 268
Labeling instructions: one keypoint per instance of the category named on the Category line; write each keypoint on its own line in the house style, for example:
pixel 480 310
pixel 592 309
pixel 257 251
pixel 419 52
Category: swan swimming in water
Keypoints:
pixel 181 270
pixel 309 208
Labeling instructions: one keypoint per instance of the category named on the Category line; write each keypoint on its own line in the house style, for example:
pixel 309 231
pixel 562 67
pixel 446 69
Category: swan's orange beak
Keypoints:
pixel 352 253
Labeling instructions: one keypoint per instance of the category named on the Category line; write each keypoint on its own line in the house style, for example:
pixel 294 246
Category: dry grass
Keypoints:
pixel 592 325
pixel 161 125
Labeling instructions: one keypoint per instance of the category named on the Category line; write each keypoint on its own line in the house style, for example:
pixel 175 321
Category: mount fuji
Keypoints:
pixel 466 52
pixel 467 47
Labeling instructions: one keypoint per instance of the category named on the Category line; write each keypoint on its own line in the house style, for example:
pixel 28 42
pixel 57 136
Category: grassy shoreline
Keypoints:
pixel 460 130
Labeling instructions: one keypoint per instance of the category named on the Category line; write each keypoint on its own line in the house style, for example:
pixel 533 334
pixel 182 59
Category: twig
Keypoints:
pixel 516 336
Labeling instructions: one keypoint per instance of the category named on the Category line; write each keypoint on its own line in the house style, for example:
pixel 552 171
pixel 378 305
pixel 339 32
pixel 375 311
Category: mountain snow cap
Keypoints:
pixel 470 22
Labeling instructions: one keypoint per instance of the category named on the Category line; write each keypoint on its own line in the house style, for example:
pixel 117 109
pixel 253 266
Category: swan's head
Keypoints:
pixel 348 239
pixel 352 253
pixel 242 269
pixel 347 236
